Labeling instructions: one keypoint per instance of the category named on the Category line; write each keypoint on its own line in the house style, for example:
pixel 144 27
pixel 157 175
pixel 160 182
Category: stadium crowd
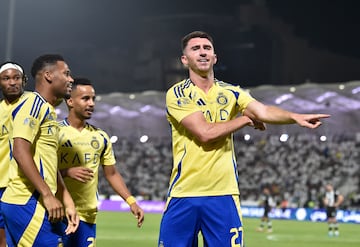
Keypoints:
pixel 296 169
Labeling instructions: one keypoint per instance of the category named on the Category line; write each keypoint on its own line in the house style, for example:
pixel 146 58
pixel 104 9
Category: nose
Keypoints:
pixel 203 52
pixel 92 102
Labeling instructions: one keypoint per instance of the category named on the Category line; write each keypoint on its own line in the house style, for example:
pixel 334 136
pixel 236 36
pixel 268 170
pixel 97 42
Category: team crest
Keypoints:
pixel 95 143
pixel 221 99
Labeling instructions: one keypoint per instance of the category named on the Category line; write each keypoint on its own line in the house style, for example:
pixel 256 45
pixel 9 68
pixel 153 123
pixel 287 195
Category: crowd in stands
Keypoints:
pixel 296 169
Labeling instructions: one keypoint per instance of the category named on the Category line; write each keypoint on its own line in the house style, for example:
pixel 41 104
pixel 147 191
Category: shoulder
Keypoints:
pixel 229 86
pixel 63 123
pixel 179 88
pixel 96 129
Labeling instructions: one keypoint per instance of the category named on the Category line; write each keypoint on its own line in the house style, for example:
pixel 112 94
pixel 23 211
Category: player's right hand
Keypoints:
pixel 54 208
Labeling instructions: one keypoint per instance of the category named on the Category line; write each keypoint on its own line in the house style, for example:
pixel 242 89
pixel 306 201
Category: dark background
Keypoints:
pixel 130 46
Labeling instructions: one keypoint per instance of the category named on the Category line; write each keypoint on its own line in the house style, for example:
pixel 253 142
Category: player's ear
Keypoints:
pixel 47 75
pixel 184 60
pixel 69 102
pixel 215 58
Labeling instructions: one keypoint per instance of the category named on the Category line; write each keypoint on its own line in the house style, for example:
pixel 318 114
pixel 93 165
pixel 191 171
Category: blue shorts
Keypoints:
pixel 2 224
pixel 218 218
pixel 28 225
pixel 84 236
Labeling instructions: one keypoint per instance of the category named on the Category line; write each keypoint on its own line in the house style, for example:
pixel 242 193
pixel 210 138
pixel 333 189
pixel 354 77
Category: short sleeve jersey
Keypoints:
pixel 90 147
pixel 331 197
pixel 5 143
pixel 203 169
pixel 34 120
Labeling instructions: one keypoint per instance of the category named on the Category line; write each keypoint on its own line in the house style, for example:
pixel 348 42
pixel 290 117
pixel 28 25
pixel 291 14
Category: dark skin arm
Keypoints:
pixel 117 183
pixel 70 211
pixel 24 159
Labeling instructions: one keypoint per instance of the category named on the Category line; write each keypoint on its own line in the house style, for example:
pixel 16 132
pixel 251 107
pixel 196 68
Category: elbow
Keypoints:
pixel 205 137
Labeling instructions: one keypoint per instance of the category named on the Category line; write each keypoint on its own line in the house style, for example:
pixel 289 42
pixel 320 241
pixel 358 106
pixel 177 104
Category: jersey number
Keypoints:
pixel 237 235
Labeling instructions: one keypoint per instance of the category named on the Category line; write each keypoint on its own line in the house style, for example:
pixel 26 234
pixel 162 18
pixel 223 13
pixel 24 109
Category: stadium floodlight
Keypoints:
pixel 144 138
pixel 284 137
pixel 113 139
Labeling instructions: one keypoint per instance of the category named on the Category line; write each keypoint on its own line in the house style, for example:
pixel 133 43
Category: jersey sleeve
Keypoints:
pixel 27 119
pixel 107 157
pixel 178 105
pixel 243 98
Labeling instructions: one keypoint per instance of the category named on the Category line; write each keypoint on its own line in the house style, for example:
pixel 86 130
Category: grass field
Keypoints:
pixel 119 229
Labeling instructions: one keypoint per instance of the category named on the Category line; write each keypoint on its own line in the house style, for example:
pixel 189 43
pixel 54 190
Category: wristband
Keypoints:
pixel 130 200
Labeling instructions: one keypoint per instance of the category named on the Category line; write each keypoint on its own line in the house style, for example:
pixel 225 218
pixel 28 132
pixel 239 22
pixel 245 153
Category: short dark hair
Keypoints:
pixel 195 34
pixel 80 81
pixel 43 61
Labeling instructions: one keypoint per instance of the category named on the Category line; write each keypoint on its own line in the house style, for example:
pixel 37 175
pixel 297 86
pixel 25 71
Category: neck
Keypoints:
pixel 75 122
pixel 204 82
pixel 46 94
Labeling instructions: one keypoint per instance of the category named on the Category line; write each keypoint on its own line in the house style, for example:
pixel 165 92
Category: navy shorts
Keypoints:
pixel 218 218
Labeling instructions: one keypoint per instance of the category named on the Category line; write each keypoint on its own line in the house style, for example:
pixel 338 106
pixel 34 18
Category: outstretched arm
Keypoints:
pixel 117 183
pixel 275 115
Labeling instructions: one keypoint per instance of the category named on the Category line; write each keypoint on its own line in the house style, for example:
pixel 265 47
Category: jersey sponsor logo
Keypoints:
pixel 78 158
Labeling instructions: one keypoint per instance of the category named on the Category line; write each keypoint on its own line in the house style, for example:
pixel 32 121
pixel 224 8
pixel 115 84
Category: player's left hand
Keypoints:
pixel 138 212
pixel 311 121
pixel 72 219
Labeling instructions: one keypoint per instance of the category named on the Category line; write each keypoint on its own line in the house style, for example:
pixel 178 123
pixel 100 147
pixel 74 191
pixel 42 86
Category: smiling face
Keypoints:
pixel 82 101
pixel 12 84
pixel 199 56
pixel 61 80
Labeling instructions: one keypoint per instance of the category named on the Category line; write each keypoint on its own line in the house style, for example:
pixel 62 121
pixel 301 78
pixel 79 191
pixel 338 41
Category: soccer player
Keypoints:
pixel 31 209
pixel 267 203
pixel 12 82
pixel 332 200
pixel 83 148
pixel 204 113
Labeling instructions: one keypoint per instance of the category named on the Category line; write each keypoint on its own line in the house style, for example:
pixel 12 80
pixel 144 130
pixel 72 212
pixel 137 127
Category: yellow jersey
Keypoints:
pixel 5 142
pixel 90 147
pixel 203 169
pixel 34 120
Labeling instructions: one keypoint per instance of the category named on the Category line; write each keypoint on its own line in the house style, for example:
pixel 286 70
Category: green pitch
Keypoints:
pixel 119 229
